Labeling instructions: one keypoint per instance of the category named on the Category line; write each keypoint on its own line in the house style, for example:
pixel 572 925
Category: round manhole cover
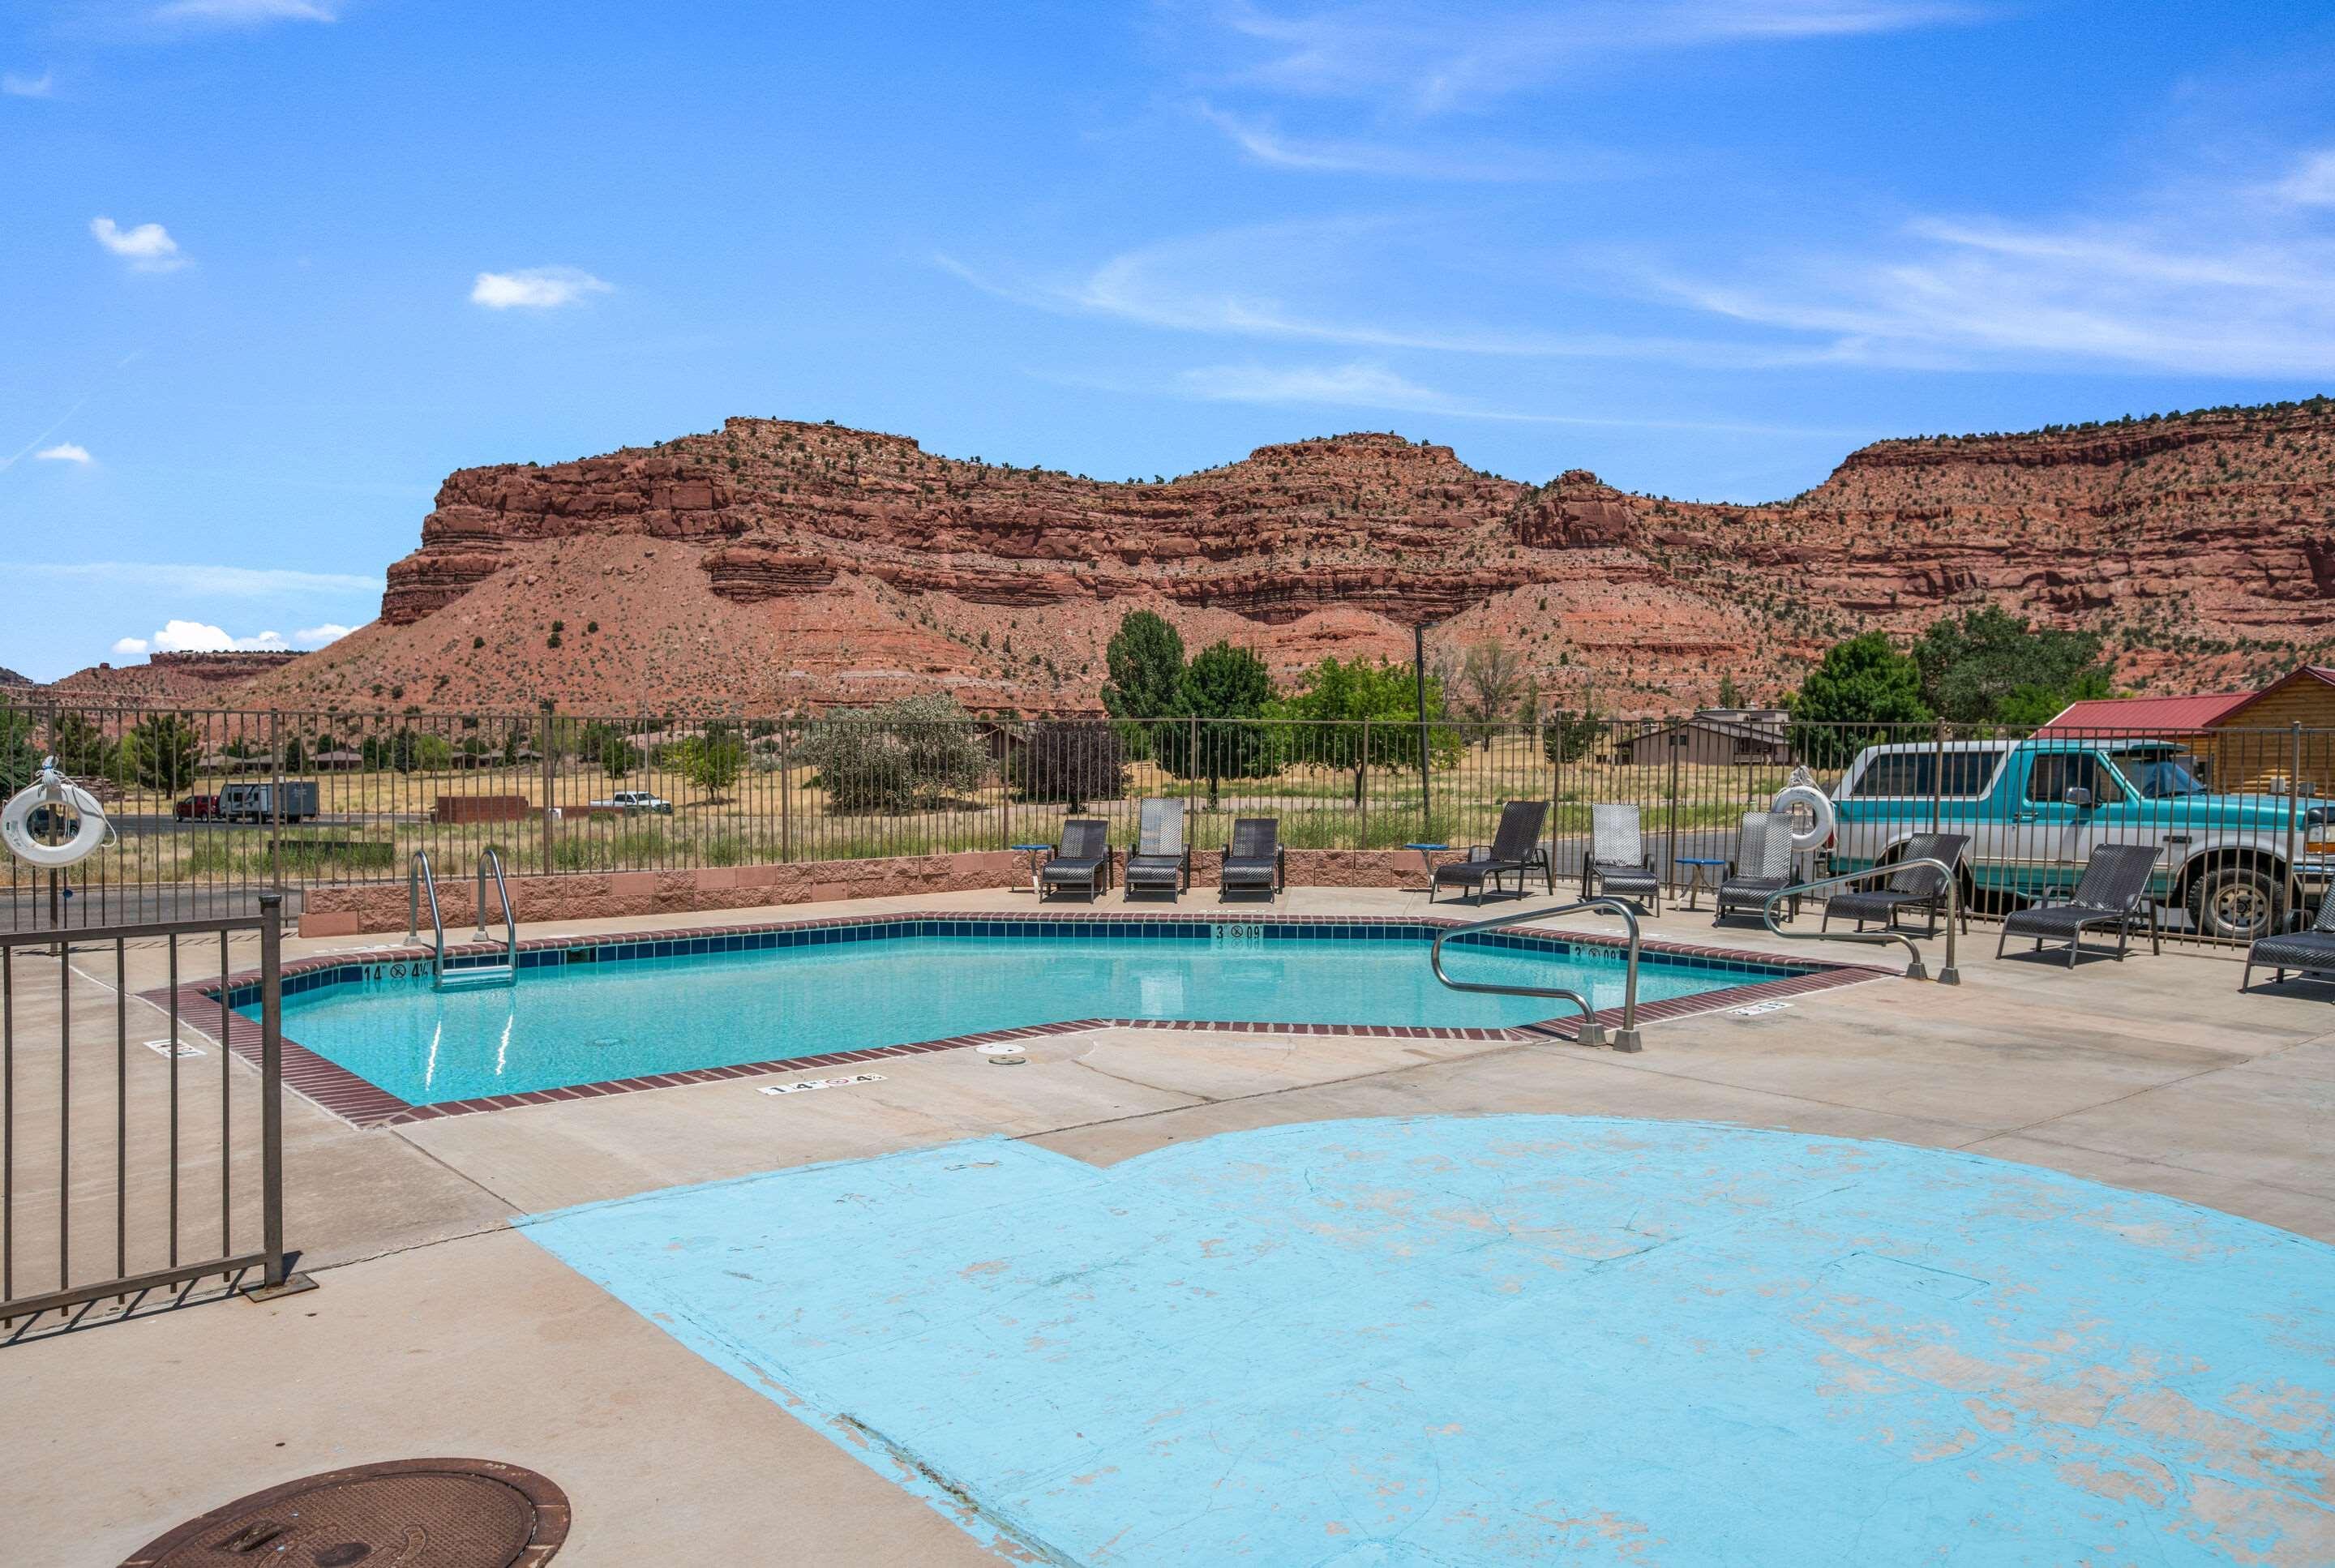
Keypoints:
pixel 408 1514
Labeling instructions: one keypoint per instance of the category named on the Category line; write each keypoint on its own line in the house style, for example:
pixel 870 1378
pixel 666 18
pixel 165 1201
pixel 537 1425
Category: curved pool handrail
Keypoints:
pixel 1592 1032
pixel 1915 969
pixel 419 879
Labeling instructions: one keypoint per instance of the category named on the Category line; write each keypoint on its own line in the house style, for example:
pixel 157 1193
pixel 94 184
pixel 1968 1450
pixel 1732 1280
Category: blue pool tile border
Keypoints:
pixel 366 1104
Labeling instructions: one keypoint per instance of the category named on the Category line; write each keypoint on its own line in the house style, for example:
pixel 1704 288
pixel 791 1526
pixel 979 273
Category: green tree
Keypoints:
pixel 19 757
pixel 161 752
pixel 711 760
pixel 1570 737
pixel 1971 666
pixel 1847 702
pixel 1336 698
pixel 1728 697
pixel 78 746
pixel 2030 707
pixel 1146 663
pixel 1223 693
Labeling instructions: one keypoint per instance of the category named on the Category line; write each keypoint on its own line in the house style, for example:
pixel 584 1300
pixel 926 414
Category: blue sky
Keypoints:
pixel 269 268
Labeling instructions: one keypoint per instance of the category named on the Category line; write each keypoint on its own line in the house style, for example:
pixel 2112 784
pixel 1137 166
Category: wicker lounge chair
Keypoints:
pixel 1619 860
pixel 1513 852
pixel 1255 859
pixel 1762 866
pixel 2114 890
pixel 1161 862
pixel 1913 887
pixel 2308 953
pixel 1081 860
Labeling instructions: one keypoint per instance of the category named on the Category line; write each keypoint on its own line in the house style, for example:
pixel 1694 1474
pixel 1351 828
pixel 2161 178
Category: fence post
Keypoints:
pixel 1938 779
pixel 1362 790
pixel 787 798
pixel 1677 739
pixel 275 800
pixel 550 783
pixel 2293 797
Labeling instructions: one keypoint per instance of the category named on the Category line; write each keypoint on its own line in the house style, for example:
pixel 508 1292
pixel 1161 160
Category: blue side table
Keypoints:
pixel 1033 851
pixel 1697 879
pixel 1427 858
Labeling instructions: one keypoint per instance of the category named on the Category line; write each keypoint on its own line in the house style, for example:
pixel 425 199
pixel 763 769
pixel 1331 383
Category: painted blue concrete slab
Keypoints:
pixel 1448 1341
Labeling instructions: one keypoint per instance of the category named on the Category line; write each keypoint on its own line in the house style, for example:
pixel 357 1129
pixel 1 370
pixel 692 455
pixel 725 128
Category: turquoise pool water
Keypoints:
pixel 623 1015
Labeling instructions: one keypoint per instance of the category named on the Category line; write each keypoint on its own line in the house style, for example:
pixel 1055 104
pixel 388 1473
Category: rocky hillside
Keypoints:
pixel 775 565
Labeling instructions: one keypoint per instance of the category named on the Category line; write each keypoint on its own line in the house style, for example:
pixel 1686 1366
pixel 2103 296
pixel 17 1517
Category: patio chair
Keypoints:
pixel 1513 852
pixel 1619 860
pixel 1913 887
pixel 2308 953
pixel 2114 890
pixel 1161 862
pixel 1256 858
pixel 1762 866
pixel 1082 859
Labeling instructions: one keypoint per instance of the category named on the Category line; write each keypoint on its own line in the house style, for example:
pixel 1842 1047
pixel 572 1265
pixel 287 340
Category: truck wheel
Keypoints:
pixel 2235 904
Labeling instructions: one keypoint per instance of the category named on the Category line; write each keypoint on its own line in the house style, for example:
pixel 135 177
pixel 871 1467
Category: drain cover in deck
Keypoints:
pixel 407 1513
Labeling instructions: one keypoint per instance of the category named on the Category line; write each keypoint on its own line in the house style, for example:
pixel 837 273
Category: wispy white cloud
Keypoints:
pixel 225 581
pixel 2201 291
pixel 63 453
pixel 536 288
pixel 246 13
pixel 13 85
pixel 1297 282
pixel 1429 58
pixel 176 637
pixel 1362 384
pixel 147 247
pixel 2311 184
pixel 1266 144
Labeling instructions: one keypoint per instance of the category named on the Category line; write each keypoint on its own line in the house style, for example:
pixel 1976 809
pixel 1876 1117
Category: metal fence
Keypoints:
pixel 137 1155
pixel 214 807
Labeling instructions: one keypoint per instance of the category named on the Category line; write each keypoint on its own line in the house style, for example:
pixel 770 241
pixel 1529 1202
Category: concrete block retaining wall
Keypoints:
pixel 352 908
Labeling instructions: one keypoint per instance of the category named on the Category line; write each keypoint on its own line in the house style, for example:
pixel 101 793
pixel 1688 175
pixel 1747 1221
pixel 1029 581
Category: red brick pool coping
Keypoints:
pixel 365 1104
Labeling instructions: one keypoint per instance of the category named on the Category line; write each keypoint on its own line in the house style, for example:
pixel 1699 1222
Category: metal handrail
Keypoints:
pixel 1917 969
pixel 1592 1032
pixel 492 857
pixel 419 877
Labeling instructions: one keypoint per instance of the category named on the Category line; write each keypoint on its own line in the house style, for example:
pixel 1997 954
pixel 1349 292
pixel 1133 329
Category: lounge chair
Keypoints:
pixel 1619 860
pixel 2311 951
pixel 1162 861
pixel 1256 858
pixel 1514 851
pixel 1081 860
pixel 2113 890
pixel 1762 866
pixel 1913 887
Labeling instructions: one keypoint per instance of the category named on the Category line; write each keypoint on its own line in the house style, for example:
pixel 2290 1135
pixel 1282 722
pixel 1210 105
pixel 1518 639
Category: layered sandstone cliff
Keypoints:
pixel 776 564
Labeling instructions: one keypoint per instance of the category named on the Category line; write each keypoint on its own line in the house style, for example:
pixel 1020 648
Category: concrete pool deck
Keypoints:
pixel 441 1331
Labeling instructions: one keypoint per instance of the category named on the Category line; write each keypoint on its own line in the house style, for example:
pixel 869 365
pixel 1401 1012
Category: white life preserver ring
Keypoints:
pixel 1820 806
pixel 52 789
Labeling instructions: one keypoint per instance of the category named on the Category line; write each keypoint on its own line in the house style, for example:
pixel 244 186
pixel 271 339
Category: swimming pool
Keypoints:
pixel 587 1014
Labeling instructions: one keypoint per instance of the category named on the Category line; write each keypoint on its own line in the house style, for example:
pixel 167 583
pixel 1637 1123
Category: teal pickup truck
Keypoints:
pixel 2033 810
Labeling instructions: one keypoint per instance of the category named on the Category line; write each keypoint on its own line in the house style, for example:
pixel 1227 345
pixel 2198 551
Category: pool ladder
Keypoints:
pixel 418 881
pixel 1592 1031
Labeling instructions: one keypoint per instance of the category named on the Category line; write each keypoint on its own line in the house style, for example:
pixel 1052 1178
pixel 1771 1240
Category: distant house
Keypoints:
pixel 1711 737
pixel 2246 741
pixel 340 760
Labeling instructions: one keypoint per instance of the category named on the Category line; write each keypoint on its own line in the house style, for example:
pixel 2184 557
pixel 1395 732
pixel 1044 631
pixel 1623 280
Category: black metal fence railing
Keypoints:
pixel 131 1164
pixel 213 808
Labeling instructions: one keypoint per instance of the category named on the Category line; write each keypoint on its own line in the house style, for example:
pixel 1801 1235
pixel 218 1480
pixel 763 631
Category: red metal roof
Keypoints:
pixel 2147 715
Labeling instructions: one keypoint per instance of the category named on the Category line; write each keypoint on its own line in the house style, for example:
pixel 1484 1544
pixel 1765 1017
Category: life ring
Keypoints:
pixel 1820 806
pixel 54 790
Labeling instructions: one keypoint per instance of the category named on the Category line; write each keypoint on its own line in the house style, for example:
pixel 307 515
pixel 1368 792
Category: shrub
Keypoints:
pixel 915 752
pixel 1074 762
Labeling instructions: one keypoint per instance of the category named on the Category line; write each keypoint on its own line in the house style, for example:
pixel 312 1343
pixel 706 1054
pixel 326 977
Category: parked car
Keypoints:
pixel 197 808
pixel 258 802
pixel 633 801
pixel 2035 809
